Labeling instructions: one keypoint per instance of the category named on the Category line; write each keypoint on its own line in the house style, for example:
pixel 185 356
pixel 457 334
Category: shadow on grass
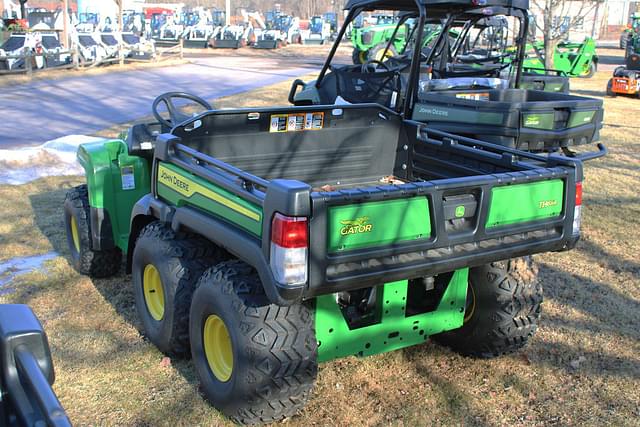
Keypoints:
pixel 117 290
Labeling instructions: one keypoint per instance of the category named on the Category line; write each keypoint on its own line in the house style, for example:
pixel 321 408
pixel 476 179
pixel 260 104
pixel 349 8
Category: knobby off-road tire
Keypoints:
pixel 502 312
pixel 165 269
pixel 77 220
pixel 271 351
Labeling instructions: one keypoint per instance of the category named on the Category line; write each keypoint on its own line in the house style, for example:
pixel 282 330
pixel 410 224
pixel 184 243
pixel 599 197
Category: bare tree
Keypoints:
pixel 558 18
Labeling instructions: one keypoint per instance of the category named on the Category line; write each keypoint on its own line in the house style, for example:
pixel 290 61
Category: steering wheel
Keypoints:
pixel 365 66
pixel 175 116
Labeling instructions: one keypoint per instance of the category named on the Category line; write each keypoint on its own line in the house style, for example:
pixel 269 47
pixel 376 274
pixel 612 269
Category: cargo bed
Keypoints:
pixel 453 202
pixel 529 120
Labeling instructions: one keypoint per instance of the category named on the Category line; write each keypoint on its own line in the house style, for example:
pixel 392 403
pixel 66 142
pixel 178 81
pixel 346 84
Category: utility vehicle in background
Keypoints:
pixel 470 90
pixel 262 241
pixel 625 81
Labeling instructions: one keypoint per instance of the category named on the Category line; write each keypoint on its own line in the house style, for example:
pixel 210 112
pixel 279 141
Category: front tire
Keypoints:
pixel 591 71
pixel 256 361
pixel 503 308
pixel 165 269
pixel 84 259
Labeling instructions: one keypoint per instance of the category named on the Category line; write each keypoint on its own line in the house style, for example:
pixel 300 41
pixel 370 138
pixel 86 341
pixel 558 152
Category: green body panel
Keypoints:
pixel 378 223
pixel 181 188
pixel 579 118
pixel 538 120
pixel 425 112
pixel 116 181
pixel 394 330
pixel 574 59
pixel 513 204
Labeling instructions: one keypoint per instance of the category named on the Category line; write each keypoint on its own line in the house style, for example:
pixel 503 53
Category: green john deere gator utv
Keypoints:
pixel 470 92
pixel 263 241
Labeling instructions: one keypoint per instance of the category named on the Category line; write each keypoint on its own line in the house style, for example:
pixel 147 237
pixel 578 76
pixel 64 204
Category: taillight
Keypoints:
pixel 289 249
pixel 577 211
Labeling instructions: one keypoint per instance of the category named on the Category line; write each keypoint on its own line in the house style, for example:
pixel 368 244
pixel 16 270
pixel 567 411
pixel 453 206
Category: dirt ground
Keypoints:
pixel 581 368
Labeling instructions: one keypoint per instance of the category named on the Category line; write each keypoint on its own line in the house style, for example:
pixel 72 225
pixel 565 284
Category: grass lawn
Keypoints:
pixel 581 368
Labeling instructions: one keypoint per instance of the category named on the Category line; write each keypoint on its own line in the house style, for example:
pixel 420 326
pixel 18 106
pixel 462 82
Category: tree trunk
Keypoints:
pixel 549 39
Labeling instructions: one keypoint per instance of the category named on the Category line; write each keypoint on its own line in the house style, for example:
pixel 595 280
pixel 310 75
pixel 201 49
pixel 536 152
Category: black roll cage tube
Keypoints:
pixel 415 61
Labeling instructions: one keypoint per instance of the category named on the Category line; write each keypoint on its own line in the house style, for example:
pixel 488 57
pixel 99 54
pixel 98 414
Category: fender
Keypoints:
pixel 115 181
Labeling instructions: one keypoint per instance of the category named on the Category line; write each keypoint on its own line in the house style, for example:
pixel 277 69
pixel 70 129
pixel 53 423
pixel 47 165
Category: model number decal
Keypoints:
pixel 547 203
pixel 296 122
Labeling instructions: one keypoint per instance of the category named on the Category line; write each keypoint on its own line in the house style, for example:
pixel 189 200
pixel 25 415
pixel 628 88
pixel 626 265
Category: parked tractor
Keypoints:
pixel 632 28
pixel 572 59
pixel 319 31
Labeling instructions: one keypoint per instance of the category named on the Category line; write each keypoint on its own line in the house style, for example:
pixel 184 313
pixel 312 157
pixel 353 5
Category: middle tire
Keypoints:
pixel 256 361
pixel 503 308
pixel 165 268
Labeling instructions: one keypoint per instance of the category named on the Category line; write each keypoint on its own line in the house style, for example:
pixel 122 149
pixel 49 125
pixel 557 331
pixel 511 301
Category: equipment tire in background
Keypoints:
pixel 166 266
pixel 377 52
pixel 256 361
pixel 610 91
pixel 593 68
pixel 358 56
pixel 503 307
pixel 84 259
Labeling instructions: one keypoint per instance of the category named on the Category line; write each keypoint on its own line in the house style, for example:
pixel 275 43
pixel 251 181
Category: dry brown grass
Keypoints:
pixel 107 373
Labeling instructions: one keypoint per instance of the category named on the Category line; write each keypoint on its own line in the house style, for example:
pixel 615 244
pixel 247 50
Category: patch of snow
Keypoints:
pixel 53 158
pixel 9 270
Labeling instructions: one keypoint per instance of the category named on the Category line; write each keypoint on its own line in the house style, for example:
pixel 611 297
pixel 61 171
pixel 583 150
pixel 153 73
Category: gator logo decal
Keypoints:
pixel 355 226
pixel 547 203
pixel 532 121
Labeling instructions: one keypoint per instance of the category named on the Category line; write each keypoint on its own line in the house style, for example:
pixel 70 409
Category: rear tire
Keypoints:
pixel 503 308
pixel 263 365
pixel 165 269
pixel 85 260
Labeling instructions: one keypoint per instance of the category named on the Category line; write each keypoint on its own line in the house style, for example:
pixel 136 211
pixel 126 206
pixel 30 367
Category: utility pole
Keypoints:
pixel 120 27
pixel 227 15
pixel 65 27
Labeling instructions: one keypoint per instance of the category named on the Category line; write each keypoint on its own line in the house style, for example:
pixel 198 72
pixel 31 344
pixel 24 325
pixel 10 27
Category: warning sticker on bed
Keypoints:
pixel 474 96
pixel 128 178
pixel 278 123
pixel 296 122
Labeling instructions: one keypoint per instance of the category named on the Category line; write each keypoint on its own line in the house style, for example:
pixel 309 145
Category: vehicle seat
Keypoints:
pixel 141 139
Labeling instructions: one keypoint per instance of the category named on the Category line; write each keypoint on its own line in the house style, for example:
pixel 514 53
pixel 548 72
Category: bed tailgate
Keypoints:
pixel 380 234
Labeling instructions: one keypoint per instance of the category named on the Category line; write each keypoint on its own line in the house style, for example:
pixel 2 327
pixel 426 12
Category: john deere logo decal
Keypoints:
pixel 355 226
pixel 460 211
pixel 547 203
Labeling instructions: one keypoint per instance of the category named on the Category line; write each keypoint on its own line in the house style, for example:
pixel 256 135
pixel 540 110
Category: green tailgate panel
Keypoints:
pixel 181 188
pixel 513 204
pixel 378 223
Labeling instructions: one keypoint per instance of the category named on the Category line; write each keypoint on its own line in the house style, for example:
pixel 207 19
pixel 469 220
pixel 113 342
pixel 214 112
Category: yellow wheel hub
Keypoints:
pixel 471 305
pixel 218 348
pixel 153 292
pixel 75 234
pixel 363 56
pixel 383 55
